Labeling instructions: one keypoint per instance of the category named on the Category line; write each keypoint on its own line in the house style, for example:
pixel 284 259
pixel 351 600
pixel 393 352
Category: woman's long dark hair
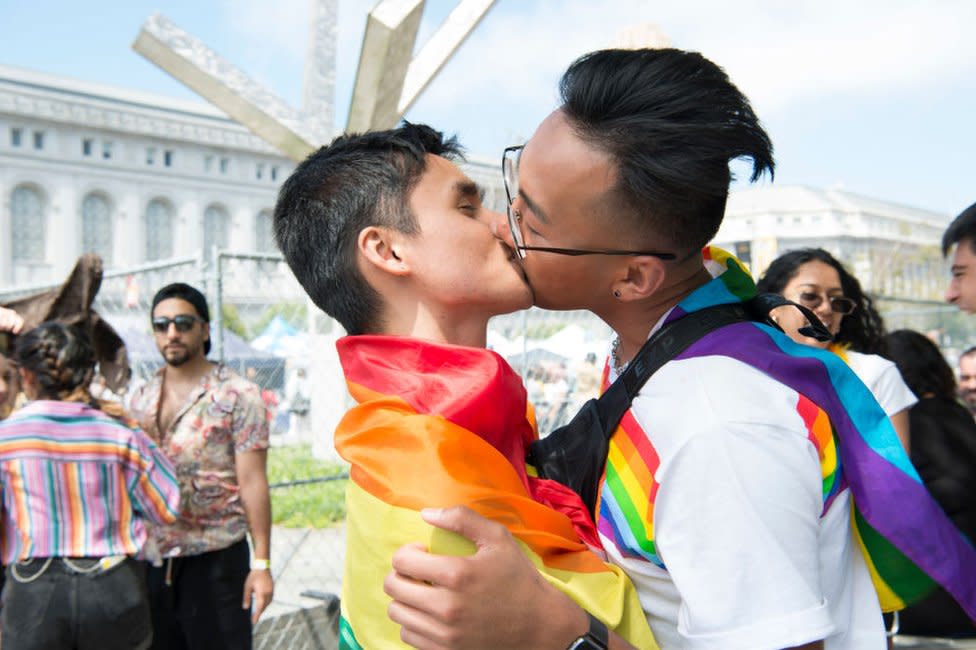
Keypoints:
pixel 863 329
pixel 921 364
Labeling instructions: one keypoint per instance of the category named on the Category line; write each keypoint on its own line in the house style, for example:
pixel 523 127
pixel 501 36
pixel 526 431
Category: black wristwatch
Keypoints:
pixel 598 638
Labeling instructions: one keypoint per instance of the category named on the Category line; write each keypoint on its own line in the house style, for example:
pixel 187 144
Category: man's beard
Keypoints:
pixel 177 357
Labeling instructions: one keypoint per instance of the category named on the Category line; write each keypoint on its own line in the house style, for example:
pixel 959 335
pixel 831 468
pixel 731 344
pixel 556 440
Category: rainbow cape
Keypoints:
pixel 437 426
pixel 908 541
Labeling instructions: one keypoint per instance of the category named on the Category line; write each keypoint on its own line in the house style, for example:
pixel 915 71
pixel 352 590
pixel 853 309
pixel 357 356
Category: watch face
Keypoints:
pixel 586 643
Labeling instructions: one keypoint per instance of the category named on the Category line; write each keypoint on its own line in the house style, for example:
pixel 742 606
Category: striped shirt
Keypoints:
pixel 77 483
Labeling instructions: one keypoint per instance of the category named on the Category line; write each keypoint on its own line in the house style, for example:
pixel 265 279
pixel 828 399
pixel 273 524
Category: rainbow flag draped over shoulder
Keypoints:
pixel 438 426
pixel 907 540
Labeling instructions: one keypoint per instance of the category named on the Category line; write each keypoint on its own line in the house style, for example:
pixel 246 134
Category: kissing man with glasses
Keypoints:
pixel 713 497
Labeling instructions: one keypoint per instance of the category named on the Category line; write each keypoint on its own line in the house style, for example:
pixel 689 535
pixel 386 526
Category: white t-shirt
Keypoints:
pixel 884 380
pixel 751 563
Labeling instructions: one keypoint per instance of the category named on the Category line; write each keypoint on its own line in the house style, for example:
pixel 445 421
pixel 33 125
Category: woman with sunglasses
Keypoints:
pixel 815 279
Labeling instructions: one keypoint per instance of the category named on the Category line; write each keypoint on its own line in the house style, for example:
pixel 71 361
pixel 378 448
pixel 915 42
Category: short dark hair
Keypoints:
pixel 968 351
pixel 191 295
pixel 357 181
pixel 962 228
pixel 863 329
pixel 671 121
pixel 921 364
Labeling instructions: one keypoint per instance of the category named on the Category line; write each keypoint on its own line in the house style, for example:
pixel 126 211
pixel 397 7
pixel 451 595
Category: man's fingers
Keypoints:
pixel 414 562
pixel 467 523
pixel 261 603
pixel 248 593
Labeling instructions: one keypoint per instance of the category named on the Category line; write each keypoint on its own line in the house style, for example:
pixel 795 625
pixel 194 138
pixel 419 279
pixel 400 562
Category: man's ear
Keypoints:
pixel 379 246
pixel 643 277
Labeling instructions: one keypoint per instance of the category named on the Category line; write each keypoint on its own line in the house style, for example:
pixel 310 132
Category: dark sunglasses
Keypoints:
pixel 183 322
pixel 838 304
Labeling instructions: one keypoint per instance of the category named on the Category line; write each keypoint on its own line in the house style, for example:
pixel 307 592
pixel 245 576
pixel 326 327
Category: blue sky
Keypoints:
pixel 878 98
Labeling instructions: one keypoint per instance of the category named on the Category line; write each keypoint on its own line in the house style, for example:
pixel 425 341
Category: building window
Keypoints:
pixel 27 225
pixel 274 173
pixel 159 230
pixel 86 146
pixel 264 232
pixel 259 171
pixel 224 165
pixel 216 229
pixel 150 155
pixel 38 140
pixel 208 163
pixel 96 227
pixel 106 150
pixel 168 158
pixel 16 137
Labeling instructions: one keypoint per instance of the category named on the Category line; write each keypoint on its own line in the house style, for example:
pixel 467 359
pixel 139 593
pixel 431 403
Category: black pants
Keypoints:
pixel 57 608
pixel 196 601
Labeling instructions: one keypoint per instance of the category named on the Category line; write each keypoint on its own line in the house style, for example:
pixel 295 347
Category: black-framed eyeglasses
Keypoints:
pixel 838 304
pixel 510 161
pixel 184 323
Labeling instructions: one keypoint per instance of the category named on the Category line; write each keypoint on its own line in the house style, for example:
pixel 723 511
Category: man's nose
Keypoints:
pixel 500 228
pixel 952 293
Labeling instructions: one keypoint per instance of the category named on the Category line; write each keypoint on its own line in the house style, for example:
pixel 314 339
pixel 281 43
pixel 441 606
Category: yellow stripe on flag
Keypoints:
pixel 375 529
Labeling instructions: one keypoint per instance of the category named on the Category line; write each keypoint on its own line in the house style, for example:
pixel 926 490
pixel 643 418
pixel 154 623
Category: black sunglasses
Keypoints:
pixel 838 304
pixel 183 322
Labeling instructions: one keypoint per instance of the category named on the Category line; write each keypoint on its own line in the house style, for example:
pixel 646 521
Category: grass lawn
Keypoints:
pixel 315 505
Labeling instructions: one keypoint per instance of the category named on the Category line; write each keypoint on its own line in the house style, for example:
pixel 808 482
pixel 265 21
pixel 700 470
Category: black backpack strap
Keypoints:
pixel 667 343
pixel 674 338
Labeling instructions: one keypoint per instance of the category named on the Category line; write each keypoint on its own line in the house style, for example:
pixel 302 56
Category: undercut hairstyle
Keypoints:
pixel 671 122
pixel 863 329
pixel 968 352
pixel 357 181
pixel 921 364
pixel 60 357
pixel 962 229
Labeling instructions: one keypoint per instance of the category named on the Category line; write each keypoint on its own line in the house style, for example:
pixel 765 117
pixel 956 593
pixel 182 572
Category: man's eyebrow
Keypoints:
pixel 469 189
pixel 534 207
pixel 959 267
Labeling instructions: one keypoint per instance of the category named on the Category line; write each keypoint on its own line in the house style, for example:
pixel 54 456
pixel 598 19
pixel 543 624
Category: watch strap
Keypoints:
pixel 596 638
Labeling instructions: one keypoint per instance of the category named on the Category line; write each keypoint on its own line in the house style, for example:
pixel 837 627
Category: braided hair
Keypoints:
pixel 863 329
pixel 63 361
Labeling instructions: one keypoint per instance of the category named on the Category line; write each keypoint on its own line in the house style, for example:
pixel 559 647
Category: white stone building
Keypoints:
pixel 893 249
pixel 132 176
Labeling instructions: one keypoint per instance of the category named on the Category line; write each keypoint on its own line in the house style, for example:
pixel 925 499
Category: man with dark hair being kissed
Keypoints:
pixel 389 237
pixel 729 485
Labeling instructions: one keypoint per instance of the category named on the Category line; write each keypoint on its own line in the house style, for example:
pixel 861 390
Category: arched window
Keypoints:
pixel 96 226
pixel 28 225
pixel 216 229
pixel 159 230
pixel 264 232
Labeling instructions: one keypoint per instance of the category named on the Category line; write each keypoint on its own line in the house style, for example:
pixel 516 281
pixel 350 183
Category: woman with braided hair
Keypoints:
pixel 79 483
pixel 815 279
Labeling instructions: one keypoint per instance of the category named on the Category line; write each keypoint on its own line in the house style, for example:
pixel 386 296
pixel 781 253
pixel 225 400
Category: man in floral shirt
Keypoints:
pixel 212 425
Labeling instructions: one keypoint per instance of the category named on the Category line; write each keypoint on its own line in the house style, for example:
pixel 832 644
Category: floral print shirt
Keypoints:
pixel 223 416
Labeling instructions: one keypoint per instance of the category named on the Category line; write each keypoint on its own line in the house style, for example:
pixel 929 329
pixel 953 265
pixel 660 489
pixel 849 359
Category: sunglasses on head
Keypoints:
pixel 183 322
pixel 838 304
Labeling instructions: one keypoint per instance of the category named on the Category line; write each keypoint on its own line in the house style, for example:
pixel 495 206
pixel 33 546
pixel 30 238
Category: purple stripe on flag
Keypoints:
pixel 894 503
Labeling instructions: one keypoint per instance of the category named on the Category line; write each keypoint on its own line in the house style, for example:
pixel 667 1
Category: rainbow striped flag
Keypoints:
pixel 437 426
pixel 910 545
